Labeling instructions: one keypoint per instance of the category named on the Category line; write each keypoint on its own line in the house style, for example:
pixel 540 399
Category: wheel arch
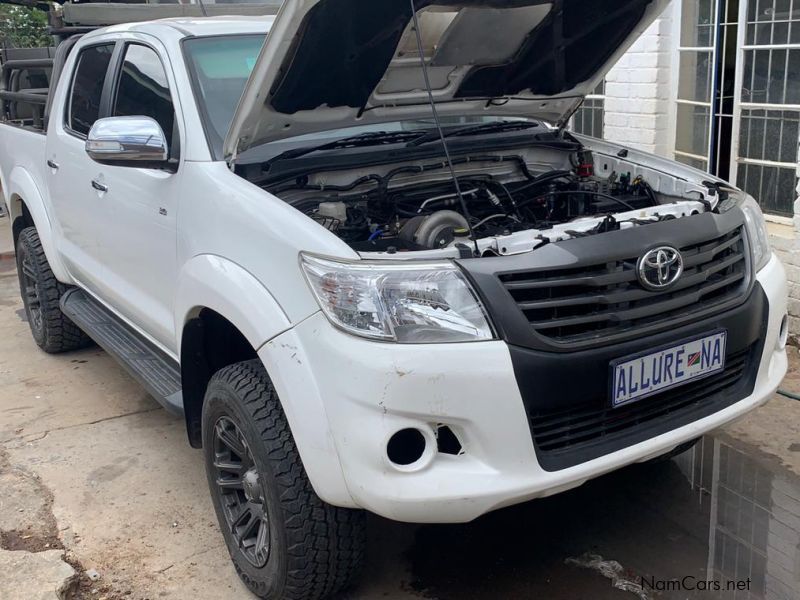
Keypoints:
pixel 209 343
pixel 20 217
pixel 27 208
pixel 225 315
pixel 229 319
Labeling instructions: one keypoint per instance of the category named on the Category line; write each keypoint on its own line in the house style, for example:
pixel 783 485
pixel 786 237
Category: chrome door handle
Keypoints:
pixel 52 164
pixel 100 187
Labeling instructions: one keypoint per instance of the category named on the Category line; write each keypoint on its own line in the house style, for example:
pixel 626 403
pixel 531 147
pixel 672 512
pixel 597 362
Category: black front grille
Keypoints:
pixel 605 300
pixel 573 435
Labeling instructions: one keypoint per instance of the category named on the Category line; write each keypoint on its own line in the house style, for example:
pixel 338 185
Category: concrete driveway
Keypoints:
pixel 93 470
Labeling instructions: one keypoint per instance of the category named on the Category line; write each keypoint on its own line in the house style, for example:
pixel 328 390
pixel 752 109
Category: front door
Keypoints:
pixel 138 241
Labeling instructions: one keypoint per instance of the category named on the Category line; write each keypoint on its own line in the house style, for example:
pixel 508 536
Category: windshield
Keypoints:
pixel 220 67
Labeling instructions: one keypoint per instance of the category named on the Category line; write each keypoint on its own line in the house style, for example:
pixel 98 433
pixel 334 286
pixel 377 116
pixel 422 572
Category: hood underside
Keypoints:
pixel 334 63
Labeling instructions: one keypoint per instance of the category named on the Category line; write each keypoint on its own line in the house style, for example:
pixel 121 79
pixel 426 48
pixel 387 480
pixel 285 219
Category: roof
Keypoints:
pixel 199 26
pixel 220 25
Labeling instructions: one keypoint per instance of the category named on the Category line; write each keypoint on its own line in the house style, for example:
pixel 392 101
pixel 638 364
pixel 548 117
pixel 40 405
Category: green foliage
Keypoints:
pixel 23 27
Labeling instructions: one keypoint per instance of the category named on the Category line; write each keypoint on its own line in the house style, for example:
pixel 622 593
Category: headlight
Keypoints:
pixel 411 303
pixel 756 232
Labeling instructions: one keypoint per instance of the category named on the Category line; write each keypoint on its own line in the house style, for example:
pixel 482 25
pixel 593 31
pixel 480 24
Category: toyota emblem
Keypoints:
pixel 659 268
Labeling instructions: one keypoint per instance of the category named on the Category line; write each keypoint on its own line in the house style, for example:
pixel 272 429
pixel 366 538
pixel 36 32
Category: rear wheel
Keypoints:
pixel 285 542
pixel 41 293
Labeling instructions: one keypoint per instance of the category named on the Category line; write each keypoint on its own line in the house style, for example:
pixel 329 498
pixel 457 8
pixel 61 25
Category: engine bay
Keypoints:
pixel 494 198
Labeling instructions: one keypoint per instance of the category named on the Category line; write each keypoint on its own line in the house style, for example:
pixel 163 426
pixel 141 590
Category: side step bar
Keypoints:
pixel 158 373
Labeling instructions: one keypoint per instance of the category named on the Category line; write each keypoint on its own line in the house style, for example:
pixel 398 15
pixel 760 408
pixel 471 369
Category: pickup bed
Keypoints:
pixel 374 272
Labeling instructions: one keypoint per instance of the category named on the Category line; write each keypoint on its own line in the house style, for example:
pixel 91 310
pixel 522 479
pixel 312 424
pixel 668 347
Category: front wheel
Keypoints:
pixel 285 542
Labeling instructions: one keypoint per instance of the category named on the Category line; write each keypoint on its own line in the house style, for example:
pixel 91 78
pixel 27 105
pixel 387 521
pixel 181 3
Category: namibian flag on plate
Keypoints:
pixel 644 374
pixel 693 359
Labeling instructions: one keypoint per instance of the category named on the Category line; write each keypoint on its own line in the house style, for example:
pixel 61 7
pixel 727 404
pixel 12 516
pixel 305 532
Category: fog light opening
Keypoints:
pixel 784 335
pixel 447 442
pixel 406 447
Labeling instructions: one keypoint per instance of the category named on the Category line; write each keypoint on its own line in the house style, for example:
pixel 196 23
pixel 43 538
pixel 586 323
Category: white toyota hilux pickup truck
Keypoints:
pixel 356 247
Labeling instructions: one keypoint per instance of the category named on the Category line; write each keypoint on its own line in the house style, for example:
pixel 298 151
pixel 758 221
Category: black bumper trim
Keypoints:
pixel 570 391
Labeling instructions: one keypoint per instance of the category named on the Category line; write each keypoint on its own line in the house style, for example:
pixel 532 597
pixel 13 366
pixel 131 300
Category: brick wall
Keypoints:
pixel 638 91
pixel 784 240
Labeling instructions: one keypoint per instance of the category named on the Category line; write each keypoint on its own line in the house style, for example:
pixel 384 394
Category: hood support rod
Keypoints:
pixel 449 161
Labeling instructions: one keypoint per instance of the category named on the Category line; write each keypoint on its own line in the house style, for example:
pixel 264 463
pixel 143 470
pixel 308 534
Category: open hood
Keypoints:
pixel 330 64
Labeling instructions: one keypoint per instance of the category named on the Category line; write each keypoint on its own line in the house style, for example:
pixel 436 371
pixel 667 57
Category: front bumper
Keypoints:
pixel 369 391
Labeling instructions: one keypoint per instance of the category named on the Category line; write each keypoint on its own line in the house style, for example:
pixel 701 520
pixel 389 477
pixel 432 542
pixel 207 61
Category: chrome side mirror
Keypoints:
pixel 128 141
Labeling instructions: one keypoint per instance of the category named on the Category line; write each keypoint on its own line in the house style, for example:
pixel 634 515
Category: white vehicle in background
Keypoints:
pixel 360 304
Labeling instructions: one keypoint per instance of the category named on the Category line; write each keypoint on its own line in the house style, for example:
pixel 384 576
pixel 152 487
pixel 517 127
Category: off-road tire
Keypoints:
pixel 315 549
pixel 41 293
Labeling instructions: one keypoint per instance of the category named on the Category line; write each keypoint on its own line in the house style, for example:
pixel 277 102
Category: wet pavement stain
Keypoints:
pixel 720 521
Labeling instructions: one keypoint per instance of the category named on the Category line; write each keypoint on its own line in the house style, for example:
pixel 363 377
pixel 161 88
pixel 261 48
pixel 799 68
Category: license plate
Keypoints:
pixel 641 375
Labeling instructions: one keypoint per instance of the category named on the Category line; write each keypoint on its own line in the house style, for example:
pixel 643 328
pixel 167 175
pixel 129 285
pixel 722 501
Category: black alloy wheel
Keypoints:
pixel 240 487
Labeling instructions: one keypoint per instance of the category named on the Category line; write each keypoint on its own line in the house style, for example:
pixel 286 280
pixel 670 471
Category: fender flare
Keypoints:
pixel 210 281
pixel 23 187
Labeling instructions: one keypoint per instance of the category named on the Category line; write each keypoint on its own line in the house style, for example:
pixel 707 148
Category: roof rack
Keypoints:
pixel 27 104
pixel 24 84
pixel 69 18
pixel 99 14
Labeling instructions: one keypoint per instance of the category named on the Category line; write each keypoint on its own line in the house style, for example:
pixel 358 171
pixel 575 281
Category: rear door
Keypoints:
pixel 79 208
pixel 138 240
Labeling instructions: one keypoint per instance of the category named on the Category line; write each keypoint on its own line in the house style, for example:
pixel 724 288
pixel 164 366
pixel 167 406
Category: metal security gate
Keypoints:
pixel 697 54
pixel 768 103
pixel 738 97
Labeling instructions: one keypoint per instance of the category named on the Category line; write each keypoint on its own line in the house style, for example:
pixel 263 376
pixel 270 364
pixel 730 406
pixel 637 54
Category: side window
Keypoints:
pixel 87 87
pixel 143 89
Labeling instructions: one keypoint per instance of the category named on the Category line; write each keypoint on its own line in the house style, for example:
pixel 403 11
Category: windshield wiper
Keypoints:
pixel 492 127
pixel 369 138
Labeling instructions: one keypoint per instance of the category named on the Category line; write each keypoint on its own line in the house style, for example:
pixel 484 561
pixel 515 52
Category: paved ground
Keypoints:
pixel 92 470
